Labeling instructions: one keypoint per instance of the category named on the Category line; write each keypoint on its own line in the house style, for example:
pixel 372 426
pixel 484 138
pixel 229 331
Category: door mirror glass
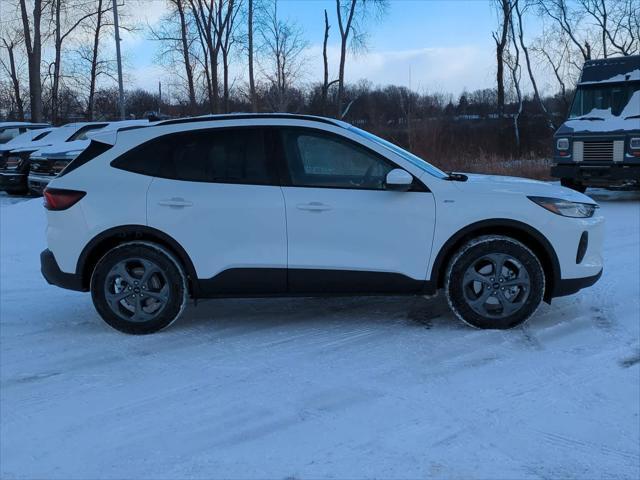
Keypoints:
pixel 399 179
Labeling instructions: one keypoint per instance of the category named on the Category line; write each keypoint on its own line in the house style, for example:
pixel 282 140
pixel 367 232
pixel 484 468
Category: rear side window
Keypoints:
pixel 92 151
pixel 216 156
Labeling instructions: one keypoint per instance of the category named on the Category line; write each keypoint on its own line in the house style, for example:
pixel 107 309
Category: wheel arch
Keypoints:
pixel 112 237
pixel 520 231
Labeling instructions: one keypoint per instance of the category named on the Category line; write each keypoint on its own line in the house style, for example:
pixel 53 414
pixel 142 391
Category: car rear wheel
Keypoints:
pixel 139 288
pixel 494 282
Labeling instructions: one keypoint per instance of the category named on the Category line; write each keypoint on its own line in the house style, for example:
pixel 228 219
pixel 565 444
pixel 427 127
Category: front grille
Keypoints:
pixel 598 151
pixel 41 167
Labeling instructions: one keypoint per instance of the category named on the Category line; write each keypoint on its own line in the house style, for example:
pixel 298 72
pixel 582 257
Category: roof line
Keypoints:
pixel 250 116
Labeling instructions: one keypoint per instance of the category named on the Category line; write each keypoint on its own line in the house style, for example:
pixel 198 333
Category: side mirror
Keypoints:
pixel 399 180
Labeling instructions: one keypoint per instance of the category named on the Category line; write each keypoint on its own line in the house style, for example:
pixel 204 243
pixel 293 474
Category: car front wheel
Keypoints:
pixel 139 288
pixel 494 282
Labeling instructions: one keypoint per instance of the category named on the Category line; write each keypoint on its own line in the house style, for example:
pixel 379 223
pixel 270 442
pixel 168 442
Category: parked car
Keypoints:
pixel 14 175
pixel 21 140
pixel 10 130
pixel 284 205
pixel 599 144
pixel 48 162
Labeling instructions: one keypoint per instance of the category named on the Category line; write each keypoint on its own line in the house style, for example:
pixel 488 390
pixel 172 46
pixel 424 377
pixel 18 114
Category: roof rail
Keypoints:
pixel 250 116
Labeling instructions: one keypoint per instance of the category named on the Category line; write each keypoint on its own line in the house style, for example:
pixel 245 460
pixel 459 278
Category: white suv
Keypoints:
pixel 288 205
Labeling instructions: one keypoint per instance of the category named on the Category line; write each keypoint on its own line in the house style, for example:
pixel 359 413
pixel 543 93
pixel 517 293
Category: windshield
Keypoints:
pixel 408 156
pixel 602 97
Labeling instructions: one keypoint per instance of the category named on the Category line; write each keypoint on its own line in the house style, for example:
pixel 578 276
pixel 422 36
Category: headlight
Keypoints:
pixel 562 144
pixel 566 208
pixel 634 143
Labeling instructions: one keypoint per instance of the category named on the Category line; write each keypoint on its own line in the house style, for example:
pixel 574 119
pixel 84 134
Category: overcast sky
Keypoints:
pixel 430 45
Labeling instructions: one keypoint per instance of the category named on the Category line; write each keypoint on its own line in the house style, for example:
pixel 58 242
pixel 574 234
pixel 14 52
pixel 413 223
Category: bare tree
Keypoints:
pixel 10 43
pixel 558 11
pixel 618 24
pixel 513 62
pixel 33 46
pixel 501 38
pixel 253 98
pixel 525 50
pixel 351 16
pixel 204 14
pixel 284 46
pixel 174 33
pixel 225 25
pixel 66 17
pixel 325 81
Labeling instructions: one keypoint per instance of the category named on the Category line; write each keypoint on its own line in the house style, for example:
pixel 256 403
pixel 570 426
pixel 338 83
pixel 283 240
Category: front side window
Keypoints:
pixel 216 156
pixel 318 159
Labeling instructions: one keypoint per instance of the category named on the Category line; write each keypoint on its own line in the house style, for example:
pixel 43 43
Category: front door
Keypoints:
pixel 346 233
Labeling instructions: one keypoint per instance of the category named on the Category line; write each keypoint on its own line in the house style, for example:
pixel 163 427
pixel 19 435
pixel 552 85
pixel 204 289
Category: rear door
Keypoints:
pixel 217 194
pixel 346 232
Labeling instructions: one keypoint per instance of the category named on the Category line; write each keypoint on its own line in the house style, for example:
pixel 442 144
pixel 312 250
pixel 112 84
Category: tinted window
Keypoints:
pixel 219 156
pixel 318 159
pixel 92 151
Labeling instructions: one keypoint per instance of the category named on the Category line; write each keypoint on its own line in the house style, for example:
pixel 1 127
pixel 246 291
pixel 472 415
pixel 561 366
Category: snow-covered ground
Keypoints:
pixel 319 388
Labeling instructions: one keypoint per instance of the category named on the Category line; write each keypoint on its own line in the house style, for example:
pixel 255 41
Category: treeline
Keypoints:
pixel 58 64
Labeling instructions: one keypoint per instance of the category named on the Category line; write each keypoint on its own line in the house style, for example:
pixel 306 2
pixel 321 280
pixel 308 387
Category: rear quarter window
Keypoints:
pixel 222 155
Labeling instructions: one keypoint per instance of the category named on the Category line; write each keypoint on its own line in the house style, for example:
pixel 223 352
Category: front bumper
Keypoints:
pixel 37 183
pixel 13 182
pixel 599 174
pixel 54 276
pixel 573 285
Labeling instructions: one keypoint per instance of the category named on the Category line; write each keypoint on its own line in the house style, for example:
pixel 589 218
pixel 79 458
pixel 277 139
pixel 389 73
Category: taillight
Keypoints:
pixel 61 199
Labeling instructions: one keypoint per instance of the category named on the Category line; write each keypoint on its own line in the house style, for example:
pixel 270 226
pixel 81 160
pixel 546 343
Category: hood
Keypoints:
pixel 61 148
pixel 497 184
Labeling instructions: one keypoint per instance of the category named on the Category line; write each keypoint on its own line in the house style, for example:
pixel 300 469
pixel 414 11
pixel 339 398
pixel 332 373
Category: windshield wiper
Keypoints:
pixel 456 177
pixel 632 116
pixel 591 118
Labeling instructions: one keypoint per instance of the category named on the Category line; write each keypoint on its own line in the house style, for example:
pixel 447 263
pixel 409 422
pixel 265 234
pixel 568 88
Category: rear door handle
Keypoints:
pixel 313 207
pixel 175 202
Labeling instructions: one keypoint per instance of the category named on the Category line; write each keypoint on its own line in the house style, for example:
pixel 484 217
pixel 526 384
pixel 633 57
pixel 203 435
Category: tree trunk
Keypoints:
pixel 34 56
pixel 534 84
pixel 56 63
pixel 94 64
pixel 501 43
pixel 325 83
pixel 345 30
pixel 252 82
pixel 185 53
pixel 15 83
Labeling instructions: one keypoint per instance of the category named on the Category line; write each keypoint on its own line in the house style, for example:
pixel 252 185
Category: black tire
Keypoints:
pixel 573 185
pixel 500 299
pixel 139 288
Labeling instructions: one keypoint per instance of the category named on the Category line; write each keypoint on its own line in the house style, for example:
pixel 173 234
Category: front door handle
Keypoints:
pixel 313 207
pixel 175 202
